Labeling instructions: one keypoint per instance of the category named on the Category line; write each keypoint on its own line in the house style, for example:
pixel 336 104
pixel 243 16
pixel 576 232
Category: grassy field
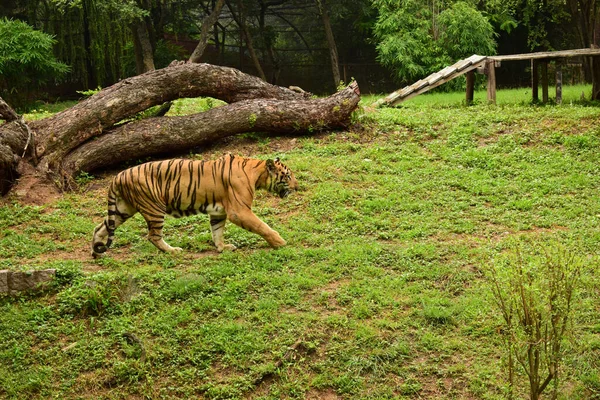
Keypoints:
pixel 382 291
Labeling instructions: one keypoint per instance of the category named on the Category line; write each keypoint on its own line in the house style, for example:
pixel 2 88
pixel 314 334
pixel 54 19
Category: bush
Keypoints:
pixel 534 287
pixel 26 61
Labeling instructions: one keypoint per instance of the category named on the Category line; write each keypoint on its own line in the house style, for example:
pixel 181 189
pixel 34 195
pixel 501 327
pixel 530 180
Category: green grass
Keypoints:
pixel 571 94
pixel 381 289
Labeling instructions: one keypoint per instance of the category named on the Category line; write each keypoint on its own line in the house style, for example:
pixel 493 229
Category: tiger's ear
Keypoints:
pixel 270 165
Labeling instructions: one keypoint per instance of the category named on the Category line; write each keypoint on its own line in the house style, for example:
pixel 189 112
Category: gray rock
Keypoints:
pixel 12 282
pixel 19 281
pixel 43 276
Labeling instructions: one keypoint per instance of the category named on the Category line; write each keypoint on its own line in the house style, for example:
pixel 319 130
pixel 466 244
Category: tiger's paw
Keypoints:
pixel 226 247
pixel 95 255
pixel 277 242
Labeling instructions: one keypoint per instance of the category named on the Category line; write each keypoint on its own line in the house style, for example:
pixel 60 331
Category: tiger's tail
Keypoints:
pixel 107 228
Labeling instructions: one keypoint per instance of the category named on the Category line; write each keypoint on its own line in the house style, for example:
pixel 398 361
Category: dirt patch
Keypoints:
pixel 322 395
pixel 32 188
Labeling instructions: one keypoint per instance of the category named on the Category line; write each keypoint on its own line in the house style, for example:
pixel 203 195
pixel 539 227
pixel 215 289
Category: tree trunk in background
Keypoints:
pixel 64 145
pixel 268 43
pixel 333 54
pixel 144 54
pixel 247 38
pixel 90 80
pixel 207 23
pixel 585 15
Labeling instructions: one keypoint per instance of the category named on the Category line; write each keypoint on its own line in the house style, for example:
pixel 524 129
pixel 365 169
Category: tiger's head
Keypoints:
pixel 281 179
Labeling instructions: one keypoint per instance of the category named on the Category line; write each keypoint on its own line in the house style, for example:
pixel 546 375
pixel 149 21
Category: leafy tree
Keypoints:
pixel 465 31
pixel 418 37
pixel 26 60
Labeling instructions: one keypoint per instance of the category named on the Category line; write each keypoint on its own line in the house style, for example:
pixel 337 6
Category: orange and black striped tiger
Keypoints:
pixel 223 189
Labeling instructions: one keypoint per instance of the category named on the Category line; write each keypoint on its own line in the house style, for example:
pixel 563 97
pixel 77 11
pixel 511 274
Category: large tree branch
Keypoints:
pixel 65 131
pixel 178 134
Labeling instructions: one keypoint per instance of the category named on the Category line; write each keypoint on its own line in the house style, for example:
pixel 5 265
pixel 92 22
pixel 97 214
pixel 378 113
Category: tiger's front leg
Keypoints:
pixel 217 226
pixel 248 220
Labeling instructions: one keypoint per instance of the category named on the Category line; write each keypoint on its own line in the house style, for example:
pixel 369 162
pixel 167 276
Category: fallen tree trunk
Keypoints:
pixel 66 130
pixel 92 135
pixel 14 139
pixel 171 134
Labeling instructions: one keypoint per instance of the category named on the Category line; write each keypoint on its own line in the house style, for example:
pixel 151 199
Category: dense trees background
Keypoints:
pixel 381 43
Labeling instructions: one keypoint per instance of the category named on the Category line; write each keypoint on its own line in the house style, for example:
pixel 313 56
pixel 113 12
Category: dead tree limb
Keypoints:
pixel 65 131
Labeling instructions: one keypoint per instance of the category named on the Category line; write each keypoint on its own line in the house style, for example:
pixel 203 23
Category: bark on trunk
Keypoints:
pixel 171 134
pixel 13 144
pixel 207 23
pixel 13 139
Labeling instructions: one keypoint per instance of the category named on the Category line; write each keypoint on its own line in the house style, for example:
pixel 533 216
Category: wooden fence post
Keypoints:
pixel 534 81
pixel 470 87
pixel 558 83
pixel 491 83
pixel 545 81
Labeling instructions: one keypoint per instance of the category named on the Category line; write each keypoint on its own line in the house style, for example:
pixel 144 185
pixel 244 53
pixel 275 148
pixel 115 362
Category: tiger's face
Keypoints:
pixel 283 181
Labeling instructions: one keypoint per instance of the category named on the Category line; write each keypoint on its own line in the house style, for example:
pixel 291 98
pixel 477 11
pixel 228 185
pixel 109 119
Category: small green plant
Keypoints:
pixel 91 297
pixel 89 92
pixel 534 288
pixel 83 178
pixel 252 120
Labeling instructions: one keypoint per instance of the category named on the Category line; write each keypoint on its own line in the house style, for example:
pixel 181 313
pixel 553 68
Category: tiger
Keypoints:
pixel 222 188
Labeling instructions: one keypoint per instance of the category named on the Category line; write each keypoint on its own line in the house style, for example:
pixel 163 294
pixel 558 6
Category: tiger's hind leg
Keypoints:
pixel 119 211
pixel 155 223
pixel 217 226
